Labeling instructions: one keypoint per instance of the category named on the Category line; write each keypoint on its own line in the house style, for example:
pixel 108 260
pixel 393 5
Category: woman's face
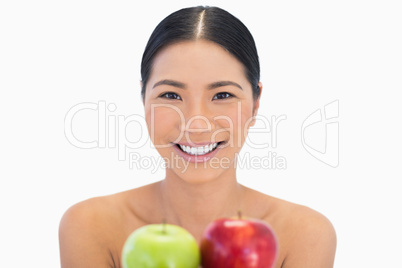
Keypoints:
pixel 198 108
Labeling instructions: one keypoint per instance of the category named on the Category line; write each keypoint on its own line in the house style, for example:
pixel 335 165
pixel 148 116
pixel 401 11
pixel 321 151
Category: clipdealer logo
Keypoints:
pixel 320 134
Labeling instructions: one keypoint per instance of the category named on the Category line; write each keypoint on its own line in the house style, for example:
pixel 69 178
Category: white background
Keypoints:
pixel 54 55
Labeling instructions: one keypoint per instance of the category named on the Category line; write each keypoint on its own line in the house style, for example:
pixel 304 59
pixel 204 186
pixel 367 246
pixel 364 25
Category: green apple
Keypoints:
pixel 161 246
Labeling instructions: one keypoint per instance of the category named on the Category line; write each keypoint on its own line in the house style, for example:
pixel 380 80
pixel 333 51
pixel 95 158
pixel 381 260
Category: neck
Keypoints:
pixel 197 204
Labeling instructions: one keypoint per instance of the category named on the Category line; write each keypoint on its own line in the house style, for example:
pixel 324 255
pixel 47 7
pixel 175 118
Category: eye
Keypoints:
pixel 170 95
pixel 222 95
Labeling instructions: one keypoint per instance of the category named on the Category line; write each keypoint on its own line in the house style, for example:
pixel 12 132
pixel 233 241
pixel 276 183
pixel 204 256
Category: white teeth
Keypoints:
pixel 199 150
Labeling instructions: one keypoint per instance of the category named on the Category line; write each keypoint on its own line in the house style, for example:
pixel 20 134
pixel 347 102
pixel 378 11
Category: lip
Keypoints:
pixel 197 158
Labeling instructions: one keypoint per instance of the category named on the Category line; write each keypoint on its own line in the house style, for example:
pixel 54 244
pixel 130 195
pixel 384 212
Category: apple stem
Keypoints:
pixel 239 214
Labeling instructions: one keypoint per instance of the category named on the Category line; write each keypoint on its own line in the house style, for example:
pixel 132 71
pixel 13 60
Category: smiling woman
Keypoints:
pixel 201 91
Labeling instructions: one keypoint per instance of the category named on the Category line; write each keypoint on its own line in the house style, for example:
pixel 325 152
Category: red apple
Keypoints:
pixel 238 243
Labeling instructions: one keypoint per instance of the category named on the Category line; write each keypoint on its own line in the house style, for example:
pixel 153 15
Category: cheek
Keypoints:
pixel 246 117
pixel 163 122
pixel 245 123
pixel 237 119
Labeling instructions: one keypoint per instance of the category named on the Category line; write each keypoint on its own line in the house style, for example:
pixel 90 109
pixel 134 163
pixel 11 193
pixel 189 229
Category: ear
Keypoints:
pixel 256 105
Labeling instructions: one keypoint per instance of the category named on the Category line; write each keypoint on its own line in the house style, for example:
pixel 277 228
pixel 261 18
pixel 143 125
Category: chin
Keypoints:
pixel 199 174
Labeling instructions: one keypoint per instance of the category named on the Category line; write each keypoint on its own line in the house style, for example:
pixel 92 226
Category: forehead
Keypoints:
pixel 198 61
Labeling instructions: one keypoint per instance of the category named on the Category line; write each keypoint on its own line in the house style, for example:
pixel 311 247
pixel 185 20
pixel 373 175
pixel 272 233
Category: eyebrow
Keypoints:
pixel 181 85
pixel 170 83
pixel 223 83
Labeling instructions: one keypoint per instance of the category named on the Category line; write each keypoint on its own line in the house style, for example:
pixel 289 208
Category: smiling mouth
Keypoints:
pixel 201 150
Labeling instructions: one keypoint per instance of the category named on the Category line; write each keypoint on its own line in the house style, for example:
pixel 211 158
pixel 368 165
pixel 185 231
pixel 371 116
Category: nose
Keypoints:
pixel 198 118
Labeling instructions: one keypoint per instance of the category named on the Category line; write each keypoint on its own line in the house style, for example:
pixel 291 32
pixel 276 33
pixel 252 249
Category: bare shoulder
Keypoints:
pixel 85 232
pixel 309 236
pixel 307 239
pixel 92 232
